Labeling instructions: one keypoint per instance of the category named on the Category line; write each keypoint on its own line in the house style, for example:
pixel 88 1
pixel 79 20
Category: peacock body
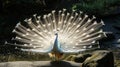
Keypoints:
pixel 58 33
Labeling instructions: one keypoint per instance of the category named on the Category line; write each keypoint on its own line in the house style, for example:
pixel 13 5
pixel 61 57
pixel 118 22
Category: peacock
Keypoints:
pixel 59 32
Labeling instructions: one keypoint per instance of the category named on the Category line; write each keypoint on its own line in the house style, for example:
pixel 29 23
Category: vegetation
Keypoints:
pixel 97 7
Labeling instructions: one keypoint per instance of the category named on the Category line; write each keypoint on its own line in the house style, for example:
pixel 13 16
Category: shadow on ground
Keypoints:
pixel 59 64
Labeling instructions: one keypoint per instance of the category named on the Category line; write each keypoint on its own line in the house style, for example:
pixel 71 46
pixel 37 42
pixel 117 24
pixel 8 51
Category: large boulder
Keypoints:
pixel 101 58
pixel 81 58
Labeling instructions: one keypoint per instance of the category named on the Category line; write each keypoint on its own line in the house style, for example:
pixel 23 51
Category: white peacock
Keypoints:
pixel 59 33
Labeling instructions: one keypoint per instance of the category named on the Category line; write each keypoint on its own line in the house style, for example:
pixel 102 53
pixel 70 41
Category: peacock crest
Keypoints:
pixel 58 31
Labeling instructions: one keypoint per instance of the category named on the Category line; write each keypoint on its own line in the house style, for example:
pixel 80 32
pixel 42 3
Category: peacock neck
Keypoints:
pixel 56 47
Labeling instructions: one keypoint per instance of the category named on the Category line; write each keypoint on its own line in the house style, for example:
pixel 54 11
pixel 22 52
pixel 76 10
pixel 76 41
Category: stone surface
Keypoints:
pixel 81 58
pixel 101 58
pixel 40 64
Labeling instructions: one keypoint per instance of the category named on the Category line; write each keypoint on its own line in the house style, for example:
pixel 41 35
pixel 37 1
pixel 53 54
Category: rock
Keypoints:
pixel 101 58
pixel 81 58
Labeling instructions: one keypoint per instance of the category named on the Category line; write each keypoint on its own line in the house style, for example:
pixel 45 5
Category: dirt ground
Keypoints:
pixel 40 64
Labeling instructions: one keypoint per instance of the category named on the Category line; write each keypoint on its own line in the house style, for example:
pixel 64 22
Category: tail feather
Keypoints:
pixel 73 28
